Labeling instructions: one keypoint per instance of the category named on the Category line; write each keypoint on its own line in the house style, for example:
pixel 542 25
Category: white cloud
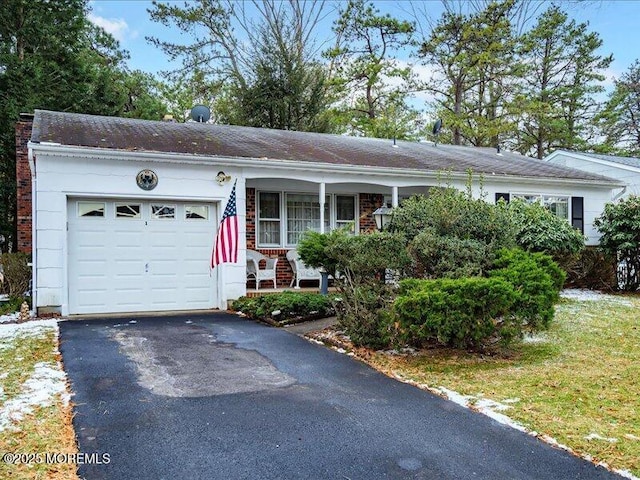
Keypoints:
pixel 117 27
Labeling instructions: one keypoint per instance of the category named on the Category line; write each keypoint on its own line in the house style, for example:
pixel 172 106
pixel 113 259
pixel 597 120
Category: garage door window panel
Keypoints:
pixel 128 210
pixel 91 209
pixel 163 212
pixel 196 212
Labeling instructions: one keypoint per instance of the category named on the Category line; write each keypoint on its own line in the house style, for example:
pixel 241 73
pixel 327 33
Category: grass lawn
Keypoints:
pixel 577 383
pixel 34 417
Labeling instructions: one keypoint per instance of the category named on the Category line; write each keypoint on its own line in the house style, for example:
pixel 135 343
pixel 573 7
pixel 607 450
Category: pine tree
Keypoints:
pixel 371 85
pixel 561 74
pixel 620 119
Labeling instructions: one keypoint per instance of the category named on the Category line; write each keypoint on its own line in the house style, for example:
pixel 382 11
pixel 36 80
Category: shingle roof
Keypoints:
pixel 115 133
pixel 629 161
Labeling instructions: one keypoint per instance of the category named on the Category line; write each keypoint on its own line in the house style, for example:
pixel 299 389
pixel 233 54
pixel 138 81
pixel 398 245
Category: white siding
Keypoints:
pixel 60 177
pixel 626 174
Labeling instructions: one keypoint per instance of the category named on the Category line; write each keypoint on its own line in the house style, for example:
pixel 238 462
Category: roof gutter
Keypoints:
pixel 56 149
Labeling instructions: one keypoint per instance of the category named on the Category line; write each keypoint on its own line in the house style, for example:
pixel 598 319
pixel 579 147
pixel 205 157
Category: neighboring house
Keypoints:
pixel 624 169
pixel 120 214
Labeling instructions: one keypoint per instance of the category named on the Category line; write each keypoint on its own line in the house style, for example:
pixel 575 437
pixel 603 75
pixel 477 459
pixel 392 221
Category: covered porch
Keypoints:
pixel 279 212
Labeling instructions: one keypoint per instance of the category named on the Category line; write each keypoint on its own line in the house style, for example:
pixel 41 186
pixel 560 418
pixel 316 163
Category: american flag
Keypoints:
pixel 225 249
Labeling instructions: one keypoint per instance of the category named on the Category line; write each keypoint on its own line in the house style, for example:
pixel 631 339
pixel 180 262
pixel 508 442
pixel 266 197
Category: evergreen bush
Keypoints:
pixel 290 306
pixel 539 230
pixel 368 265
pixel 619 225
pixel 536 278
pixel 451 234
pixel 461 313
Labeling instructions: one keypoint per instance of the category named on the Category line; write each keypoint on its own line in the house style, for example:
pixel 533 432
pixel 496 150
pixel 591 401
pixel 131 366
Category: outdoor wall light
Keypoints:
pixel 222 177
pixel 382 217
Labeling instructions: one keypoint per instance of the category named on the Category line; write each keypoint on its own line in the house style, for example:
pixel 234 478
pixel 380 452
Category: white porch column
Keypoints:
pixel 394 197
pixel 321 199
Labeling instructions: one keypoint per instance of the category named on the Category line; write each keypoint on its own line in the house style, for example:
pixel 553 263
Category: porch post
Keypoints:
pixel 321 199
pixel 394 197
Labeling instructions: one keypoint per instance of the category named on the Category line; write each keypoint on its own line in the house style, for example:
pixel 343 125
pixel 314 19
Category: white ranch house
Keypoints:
pixel 120 214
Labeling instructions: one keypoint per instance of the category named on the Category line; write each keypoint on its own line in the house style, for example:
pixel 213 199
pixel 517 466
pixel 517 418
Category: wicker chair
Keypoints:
pixel 259 274
pixel 300 270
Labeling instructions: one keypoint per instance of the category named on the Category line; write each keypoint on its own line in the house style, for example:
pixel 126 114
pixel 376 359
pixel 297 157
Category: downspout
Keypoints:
pixel 620 193
pixel 34 243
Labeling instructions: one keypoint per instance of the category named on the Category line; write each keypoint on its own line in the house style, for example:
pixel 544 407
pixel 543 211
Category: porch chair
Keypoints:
pixel 260 274
pixel 300 270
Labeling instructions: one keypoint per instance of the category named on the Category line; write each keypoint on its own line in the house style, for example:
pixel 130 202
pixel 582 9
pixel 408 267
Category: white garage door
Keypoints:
pixel 131 255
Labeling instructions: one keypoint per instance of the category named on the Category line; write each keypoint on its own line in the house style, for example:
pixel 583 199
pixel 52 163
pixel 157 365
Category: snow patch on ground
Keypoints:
pixel 14 317
pixel 584 295
pixel 38 390
pixel 8 332
pixel 595 436
pixel 45 382
pixel 535 338
pixel 10 317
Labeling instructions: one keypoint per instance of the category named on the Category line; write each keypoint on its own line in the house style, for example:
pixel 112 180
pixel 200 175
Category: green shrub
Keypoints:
pixel 619 225
pixel 290 305
pixel 452 234
pixel 537 280
pixel 17 274
pixel 464 312
pixel 364 262
pixel 364 313
pixel 365 256
pixel 539 230
pixel 448 256
pixel 454 213
pixel 313 249
pixel 13 305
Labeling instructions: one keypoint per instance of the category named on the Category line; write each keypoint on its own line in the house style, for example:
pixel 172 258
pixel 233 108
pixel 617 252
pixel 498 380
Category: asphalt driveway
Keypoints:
pixel 216 397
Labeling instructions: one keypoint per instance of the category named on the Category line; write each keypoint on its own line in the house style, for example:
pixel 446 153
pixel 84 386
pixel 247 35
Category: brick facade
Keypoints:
pixel 369 202
pixel 284 274
pixel 23 183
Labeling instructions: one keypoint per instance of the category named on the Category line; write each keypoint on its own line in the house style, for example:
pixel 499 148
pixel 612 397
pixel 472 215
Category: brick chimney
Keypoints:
pixel 23 182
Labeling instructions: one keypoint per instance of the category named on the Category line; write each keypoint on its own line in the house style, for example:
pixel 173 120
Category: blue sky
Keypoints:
pixel 616 21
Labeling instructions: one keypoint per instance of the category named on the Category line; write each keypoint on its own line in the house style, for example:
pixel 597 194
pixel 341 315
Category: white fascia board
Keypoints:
pixel 588 158
pixel 287 165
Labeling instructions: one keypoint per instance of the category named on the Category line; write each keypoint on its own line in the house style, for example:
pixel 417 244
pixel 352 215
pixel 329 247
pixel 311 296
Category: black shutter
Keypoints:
pixel 577 213
pixel 504 196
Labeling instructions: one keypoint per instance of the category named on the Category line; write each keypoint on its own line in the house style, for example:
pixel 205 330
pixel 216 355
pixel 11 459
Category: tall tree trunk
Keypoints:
pixel 457 107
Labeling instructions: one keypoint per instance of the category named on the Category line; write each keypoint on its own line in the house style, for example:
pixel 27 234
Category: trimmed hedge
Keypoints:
pixel 537 280
pixel 291 306
pixel 463 312
pixel 471 312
